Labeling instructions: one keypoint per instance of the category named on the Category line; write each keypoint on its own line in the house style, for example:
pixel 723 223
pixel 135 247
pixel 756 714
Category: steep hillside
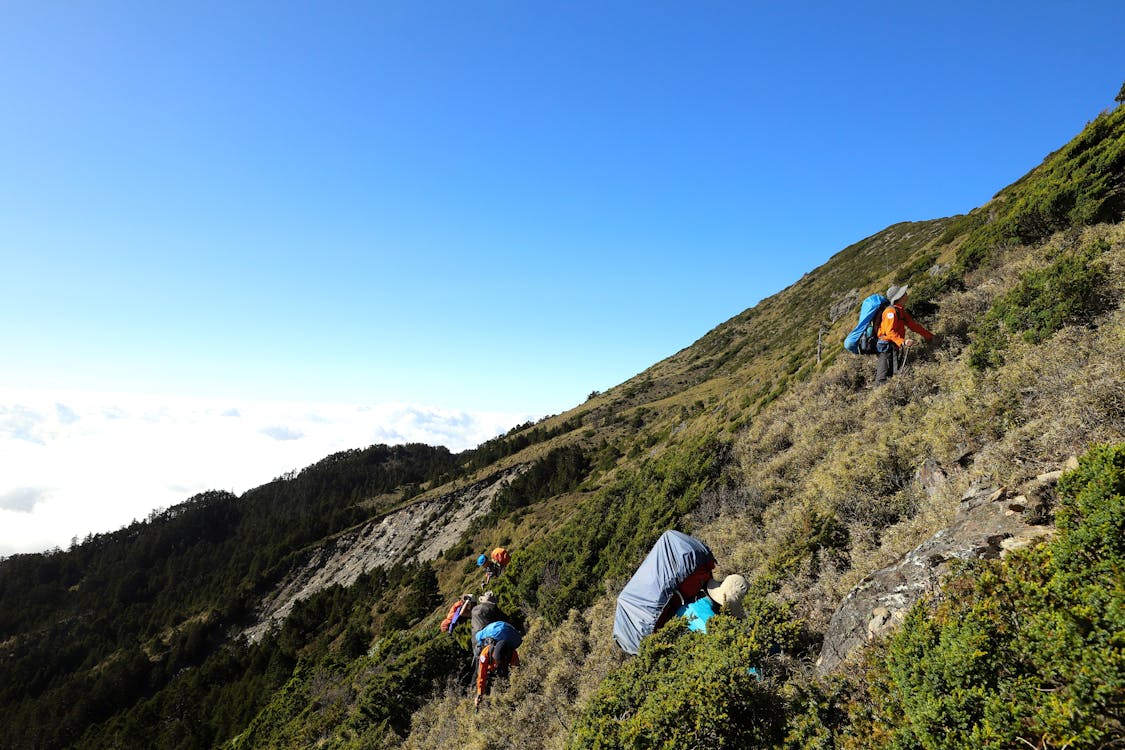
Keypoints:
pixel 763 438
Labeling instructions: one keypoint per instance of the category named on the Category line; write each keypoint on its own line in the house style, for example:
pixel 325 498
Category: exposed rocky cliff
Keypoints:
pixel 990 522
pixel 414 533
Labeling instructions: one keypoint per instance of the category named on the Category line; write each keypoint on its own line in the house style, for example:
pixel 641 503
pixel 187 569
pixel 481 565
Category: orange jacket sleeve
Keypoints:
pixel 915 326
pixel 894 324
pixel 483 668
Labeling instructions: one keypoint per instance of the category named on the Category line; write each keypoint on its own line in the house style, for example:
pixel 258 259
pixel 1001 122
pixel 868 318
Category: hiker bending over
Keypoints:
pixel 725 597
pixel 493 564
pixel 892 334
pixel 491 570
pixel 457 613
pixel 484 613
pixel 498 643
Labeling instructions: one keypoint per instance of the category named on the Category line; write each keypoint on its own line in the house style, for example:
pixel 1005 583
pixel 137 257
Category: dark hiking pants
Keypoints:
pixel 887 364
pixel 502 657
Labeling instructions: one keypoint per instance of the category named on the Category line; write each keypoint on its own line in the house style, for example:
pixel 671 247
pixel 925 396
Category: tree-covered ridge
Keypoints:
pixel 88 631
pixel 517 439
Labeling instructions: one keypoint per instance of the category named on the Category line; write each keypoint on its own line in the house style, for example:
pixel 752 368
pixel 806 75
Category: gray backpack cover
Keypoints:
pixel 672 559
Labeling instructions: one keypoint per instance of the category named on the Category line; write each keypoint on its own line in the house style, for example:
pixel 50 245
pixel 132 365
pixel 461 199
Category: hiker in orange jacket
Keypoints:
pixel 495 659
pixel 458 613
pixel 892 333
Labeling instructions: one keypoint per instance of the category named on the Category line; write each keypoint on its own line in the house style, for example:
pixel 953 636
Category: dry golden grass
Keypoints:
pixel 832 446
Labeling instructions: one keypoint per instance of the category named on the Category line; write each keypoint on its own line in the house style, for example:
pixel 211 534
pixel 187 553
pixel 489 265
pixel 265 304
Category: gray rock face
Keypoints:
pixel 990 523
pixel 414 533
pixel 848 303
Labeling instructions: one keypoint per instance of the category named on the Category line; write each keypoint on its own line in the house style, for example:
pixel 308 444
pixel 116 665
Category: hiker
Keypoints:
pixel 725 597
pixel 484 614
pixel 498 643
pixel 457 613
pixel 493 564
pixel 672 574
pixel 892 334
pixel 687 591
pixel 491 569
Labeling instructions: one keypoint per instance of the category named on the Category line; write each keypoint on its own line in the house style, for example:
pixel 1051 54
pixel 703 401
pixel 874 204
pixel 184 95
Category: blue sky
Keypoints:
pixel 479 208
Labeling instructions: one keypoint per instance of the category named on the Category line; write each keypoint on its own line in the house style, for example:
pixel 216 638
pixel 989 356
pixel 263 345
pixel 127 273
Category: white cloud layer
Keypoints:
pixel 78 463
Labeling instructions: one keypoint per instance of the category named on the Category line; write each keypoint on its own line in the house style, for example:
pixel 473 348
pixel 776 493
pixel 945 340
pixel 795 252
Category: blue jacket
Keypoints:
pixel 698 613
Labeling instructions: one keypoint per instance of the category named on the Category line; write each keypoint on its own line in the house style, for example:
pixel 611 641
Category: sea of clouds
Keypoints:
pixel 74 463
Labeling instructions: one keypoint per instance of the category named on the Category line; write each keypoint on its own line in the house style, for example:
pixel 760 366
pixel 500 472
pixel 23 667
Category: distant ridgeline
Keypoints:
pixel 772 450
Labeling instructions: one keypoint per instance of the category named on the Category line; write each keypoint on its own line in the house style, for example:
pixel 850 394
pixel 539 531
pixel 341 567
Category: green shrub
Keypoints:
pixel 687 689
pixel 357 703
pixel 1079 185
pixel 814 710
pixel 1042 302
pixel 1092 515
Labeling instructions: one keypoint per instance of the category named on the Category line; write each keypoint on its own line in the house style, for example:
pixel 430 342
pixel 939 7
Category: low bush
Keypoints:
pixel 1069 290
pixel 688 689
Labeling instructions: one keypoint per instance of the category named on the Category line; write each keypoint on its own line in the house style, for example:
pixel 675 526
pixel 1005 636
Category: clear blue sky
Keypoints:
pixel 487 205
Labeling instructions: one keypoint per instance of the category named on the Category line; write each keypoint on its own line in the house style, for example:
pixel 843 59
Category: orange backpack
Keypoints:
pixel 500 556
pixel 458 610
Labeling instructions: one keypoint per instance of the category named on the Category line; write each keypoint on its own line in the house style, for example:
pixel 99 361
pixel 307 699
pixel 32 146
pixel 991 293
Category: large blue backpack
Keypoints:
pixel 500 631
pixel 865 335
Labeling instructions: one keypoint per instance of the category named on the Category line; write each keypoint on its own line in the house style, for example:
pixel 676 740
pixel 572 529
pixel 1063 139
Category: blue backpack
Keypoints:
pixel 500 631
pixel 865 335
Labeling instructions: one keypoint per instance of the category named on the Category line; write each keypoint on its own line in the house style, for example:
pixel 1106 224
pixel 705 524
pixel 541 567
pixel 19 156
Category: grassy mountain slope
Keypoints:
pixel 793 471
pixel 818 487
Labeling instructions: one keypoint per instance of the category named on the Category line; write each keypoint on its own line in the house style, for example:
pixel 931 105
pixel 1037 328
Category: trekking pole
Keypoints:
pixel 902 365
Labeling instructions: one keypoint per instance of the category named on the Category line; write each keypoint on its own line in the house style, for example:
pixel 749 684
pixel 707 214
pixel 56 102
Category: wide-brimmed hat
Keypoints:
pixel 895 293
pixel 729 593
pixel 488 596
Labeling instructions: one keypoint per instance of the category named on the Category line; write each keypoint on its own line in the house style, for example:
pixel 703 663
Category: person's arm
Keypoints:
pixel 915 326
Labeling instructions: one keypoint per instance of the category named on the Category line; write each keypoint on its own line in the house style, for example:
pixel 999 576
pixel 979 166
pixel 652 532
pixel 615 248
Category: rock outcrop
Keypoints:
pixel 990 523
pixel 414 533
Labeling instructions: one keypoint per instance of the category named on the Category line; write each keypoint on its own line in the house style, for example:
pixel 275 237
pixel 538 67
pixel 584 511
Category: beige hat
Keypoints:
pixel 488 596
pixel 895 293
pixel 729 593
